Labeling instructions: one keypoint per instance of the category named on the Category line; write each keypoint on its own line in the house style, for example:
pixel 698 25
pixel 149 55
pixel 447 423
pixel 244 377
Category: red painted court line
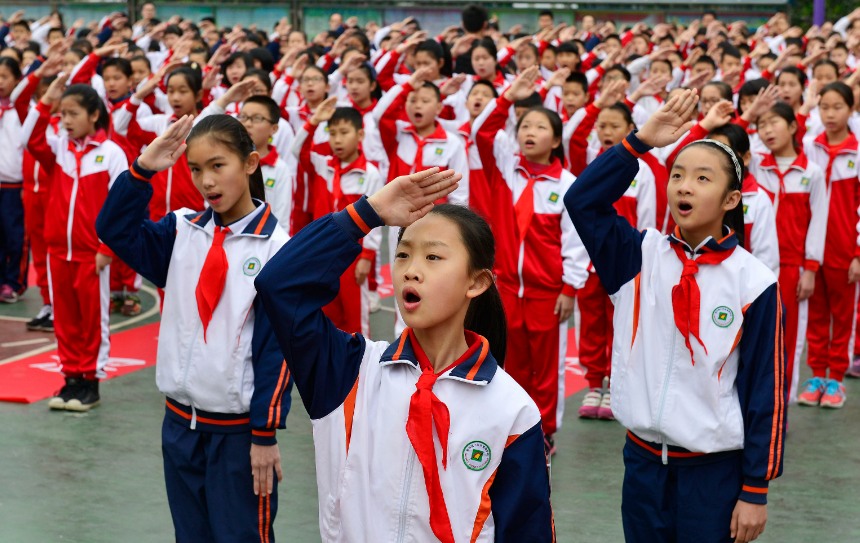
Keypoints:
pixel 38 377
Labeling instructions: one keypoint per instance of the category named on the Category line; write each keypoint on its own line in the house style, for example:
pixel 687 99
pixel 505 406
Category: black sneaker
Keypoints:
pixel 45 314
pixel 47 325
pixel 548 446
pixel 86 397
pixel 69 390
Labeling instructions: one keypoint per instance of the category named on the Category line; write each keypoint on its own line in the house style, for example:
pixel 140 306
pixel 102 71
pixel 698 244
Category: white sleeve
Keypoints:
pixel 118 164
pixel 764 242
pixel 592 75
pixel 29 125
pixel 677 78
pixel 569 128
pixel 636 68
pixel 504 157
pixel 841 26
pixel 380 35
pixel 646 199
pixel 460 163
pixel 574 257
pixel 298 142
pixel 818 207
pixel 385 102
pixel 143 42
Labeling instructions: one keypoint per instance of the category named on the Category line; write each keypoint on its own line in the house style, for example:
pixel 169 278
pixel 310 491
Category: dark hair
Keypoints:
pixel 781 109
pixel 488 44
pixel 121 64
pixel 580 79
pixel 431 86
pixel 21 23
pixel 615 37
pixel 34 48
pixel 376 92
pixel 268 103
pixel 484 83
pixel 621 108
pixel 619 68
pixel 486 314
pixel 81 54
pixel 347 115
pixel 141 58
pixel 365 42
pixel 173 29
pixel 253 37
pixel 734 218
pixel 261 54
pixel 796 72
pixel 722 87
pixel 770 55
pixel 545 12
pixel 567 47
pixel 751 88
pixel 192 77
pixel 230 133
pixel 534 100
pixel 261 75
pixel 247 59
pixel 555 123
pixel 438 52
pixel 474 17
pixel 842 89
pixel 313 67
pixel 799 43
pixel 18 56
pixel 826 62
pixel 201 51
pixel 706 60
pixel 89 99
pixel 12 65
pixel 839 45
pixel 665 61
pixel 730 50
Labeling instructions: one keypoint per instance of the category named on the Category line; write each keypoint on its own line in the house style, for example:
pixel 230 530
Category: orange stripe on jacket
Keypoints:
pixel 349 412
pixel 263 220
pixel 660 453
pixel 636 308
pixel 281 397
pixel 630 148
pixel 779 377
pixel 276 393
pixel 204 420
pixel 133 171
pixel 268 515
pixel 484 509
pixel 485 348
pixel 262 499
pixel 357 218
pixel 754 489
pixel 403 337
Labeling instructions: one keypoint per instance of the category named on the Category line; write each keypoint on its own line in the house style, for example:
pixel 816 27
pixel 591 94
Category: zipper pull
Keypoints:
pixel 665 451
pixel 194 421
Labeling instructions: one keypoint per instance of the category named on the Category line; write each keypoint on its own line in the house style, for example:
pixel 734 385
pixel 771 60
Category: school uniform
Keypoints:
pixel 760 236
pixel 218 364
pixel 698 370
pixel 381 472
pixel 834 298
pixel 278 179
pixel 303 196
pixel 799 198
pixel 82 173
pixel 538 257
pixel 336 185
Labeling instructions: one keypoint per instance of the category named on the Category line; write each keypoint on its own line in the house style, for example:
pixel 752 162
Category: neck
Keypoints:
pixel 543 158
pixel 350 158
pixel 241 208
pixel 443 344
pixel 787 151
pixel 695 236
pixel 363 103
pixel 313 105
pixel 663 94
pixel 835 137
pixel 425 131
pixel 262 150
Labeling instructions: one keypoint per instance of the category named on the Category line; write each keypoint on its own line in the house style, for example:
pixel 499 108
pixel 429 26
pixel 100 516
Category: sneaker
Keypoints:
pixel 8 295
pixel 47 325
pixel 66 393
pixel 86 397
pixel 44 314
pixel 116 302
pixel 591 404
pixel 548 446
pixel 131 305
pixel 375 301
pixel 854 368
pixel 604 412
pixel 834 395
pixel 813 392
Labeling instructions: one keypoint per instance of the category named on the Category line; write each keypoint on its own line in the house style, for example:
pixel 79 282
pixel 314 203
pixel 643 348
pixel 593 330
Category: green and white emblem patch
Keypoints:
pixel 723 316
pixel 476 455
pixel 252 266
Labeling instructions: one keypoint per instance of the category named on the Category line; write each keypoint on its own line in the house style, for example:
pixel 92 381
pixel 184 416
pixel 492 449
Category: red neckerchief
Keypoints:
pixel 213 275
pixel 365 110
pixel 686 298
pixel 524 209
pixel 834 150
pixel 498 82
pixel 54 121
pixel 359 163
pixel 769 163
pixel 113 106
pixel 466 132
pixel 425 411
pixel 271 158
pixel 305 111
pixel 750 184
pixel 437 135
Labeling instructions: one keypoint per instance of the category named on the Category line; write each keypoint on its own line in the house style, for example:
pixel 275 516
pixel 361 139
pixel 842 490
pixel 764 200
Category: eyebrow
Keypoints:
pixel 211 159
pixel 430 243
pixel 706 168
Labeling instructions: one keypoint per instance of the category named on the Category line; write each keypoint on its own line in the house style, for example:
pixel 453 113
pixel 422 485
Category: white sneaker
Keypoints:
pixel 375 301
pixel 604 412
pixel 591 404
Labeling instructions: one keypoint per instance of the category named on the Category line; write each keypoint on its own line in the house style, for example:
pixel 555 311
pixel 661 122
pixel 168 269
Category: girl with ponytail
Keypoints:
pixel 375 405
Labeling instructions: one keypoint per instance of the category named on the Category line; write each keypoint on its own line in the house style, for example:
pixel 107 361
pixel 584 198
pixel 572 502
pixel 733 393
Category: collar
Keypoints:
pixel 90 141
pixel 800 162
pixel 498 81
pixel 359 164
pixel 438 135
pixel 709 245
pixel 552 173
pixel 117 103
pixel 466 130
pixel 476 366
pixel 850 143
pixel 271 158
pixel 305 110
pixel 750 184
pixel 258 223
pixel 366 110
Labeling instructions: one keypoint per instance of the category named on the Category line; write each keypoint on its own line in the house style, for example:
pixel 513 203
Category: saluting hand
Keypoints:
pixel 409 197
pixel 166 149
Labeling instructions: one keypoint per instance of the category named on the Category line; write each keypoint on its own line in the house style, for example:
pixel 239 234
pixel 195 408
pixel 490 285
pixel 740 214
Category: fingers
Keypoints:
pixel 256 474
pixel 417 177
pixel 270 483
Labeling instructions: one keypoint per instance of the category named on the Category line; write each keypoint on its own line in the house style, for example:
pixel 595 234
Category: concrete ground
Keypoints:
pixel 97 477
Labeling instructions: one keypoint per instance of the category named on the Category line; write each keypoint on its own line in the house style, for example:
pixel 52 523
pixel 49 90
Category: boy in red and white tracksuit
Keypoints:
pixel 538 256
pixel 339 181
pixel 799 198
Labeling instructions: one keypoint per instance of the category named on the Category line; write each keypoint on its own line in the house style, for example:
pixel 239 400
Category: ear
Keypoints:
pixel 439 107
pixel 480 283
pixel 747 157
pixel 252 163
pixel 198 96
pixel 360 134
pixel 556 142
pixel 732 200
pixel 275 128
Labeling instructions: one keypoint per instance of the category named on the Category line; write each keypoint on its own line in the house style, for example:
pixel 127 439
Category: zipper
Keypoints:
pixel 404 497
pixel 36 177
pixel 522 290
pixel 71 220
pixel 169 186
pixel 663 397
pixel 185 375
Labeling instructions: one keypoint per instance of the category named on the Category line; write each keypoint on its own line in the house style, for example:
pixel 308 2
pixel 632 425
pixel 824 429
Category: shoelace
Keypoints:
pixel 833 388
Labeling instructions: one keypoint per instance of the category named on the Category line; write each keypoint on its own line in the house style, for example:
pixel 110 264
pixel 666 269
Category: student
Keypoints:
pixel 366 397
pixel 83 165
pixel 340 179
pixel 796 187
pixel 698 373
pixel 227 385
pixel 833 305
pixel 539 251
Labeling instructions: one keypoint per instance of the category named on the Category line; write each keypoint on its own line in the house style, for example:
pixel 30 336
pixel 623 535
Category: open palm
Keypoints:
pixel 670 122
pixel 166 149
pixel 409 197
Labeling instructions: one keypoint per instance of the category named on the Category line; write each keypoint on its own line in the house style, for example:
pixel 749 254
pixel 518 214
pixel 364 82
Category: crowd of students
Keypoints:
pixel 610 169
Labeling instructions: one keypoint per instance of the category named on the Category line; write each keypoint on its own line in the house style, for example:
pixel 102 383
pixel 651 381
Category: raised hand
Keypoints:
pixel 409 197
pixel 720 114
pixel 52 66
pixel 612 94
pixel 811 98
pixel 524 85
pixel 144 90
pixel 765 100
pixel 166 149
pixel 520 42
pixel 212 78
pixel 452 85
pixel 352 64
pixel 650 87
pixel 111 49
pixel 419 76
pixel 239 92
pixel 463 45
pixel 340 44
pixel 670 121
pixel 324 111
pixel 558 78
pixel 698 81
pixel 55 91
pixel 412 41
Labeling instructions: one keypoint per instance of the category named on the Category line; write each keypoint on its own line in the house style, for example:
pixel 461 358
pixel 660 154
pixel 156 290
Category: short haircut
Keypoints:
pixel 619 68
pixel 731 51
pixel 121 64
pixel 485 83
pixel 347 115
pixel 532 101
pixel 567 47
pixel 434 88
pixel 547 13
pixel 474 18
pixel 663 61
pixel 173 29
pixel 271 106
pixel 21 23
pixel 707 60
pixel 578 78
pixel 141 58
pixel 56 29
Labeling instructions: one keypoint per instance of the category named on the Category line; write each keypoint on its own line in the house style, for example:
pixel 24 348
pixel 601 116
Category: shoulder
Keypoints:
pixel 567 179
pixel 513 403
pixel 754 277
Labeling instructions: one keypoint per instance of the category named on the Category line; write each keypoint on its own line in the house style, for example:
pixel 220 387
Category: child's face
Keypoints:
pixel 260 88
pixel 70 60
pixel 139 72
pixel 547 60
pixel 169 40
pixel 525 58
pixel 182 98
pixel 478 98
pixel 709 96
pixel 423 59
pixel 54 36
pixel 641 46
pixel 610 77
pixel 296 39
pixel 75 118
pixel 116 83
pixel 313 85
pixel 359 86
pixel 422 107
pixel 764 63
pixel 256 119
pixel 729 63
pixel 536 137
pixel 700 67
pixel 790 89
pixel 839 56
pixel 659 69
pixel 27 57
pixel 545 21
pixel 344 139
pixel 834 111
pixel 697 192
pixel 235 71
pixel 21 35
pixel 483 63
pixel 825 74
pixel 744 102
pixel 567 60
pixel 219 173
pixel 611 46
pixel 432 283
pixel 612 127
pixel 774 132
pixel 573 97
pixel 7 81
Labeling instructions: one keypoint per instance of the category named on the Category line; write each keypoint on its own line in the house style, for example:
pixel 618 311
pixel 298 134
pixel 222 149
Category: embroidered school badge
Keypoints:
pixel 271 139
pixel 99 159
pixel 633 184
pixel 252 266
pixel 476 455
pixel 746 207
pixel 804 181
pixel 553 197
pixel 360 180
pixel 270 183
pixel 723 316
pixel 850 163
pixel 439 151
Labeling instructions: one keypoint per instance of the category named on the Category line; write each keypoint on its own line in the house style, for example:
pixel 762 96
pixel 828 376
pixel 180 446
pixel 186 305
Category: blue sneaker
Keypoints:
pixel 834 395
pixel 814 391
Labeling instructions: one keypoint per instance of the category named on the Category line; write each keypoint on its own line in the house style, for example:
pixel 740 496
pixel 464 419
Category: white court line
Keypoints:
pixel 15 319
pixel 25 342
pixel 152 311
pixel 384 308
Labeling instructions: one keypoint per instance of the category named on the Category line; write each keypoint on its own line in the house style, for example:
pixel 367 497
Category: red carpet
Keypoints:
pixel 38 377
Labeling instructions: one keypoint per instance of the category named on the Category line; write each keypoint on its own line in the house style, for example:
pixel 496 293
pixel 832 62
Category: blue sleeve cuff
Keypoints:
pixel 754 491
pixel 358 219
pixel 631 148
pixel 138 172
pixel 264 438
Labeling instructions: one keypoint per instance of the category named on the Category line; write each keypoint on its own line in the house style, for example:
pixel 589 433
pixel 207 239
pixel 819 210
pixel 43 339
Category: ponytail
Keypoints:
pixel 255 184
